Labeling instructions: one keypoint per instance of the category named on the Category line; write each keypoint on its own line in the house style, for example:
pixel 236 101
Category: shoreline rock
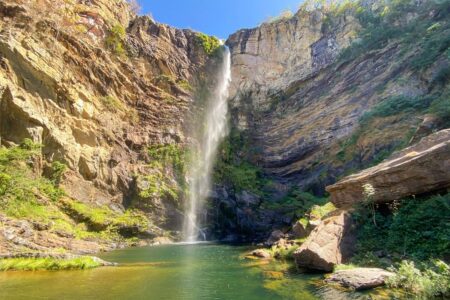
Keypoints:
pixel 360 278
pixel 330 244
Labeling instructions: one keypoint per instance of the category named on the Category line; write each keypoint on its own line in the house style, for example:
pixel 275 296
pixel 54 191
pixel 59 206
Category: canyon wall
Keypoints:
pixel 97 87
pixel 324 93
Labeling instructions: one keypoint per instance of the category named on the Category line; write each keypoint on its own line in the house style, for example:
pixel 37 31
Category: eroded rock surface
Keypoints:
pixel 423 167
pixel 330 244
pixel 65 84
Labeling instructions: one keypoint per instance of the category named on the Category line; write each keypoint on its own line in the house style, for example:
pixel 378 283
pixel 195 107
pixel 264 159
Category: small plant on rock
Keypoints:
pixel 115 38
pixel 369 192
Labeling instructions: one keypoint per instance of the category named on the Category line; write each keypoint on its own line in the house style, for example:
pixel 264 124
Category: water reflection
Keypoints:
pixel 176 272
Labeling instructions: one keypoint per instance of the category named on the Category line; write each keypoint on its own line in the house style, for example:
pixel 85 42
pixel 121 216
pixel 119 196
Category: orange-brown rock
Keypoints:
pixel 421 168
pixel 331 243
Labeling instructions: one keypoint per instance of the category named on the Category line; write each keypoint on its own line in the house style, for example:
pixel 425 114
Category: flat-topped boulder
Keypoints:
pixel 329 244
pixel 421 168
pixel 360 278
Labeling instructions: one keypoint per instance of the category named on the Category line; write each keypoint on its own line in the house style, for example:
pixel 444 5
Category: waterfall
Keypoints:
pixel 213 132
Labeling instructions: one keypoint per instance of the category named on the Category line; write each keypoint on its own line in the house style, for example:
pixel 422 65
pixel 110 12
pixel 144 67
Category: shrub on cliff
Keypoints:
pixel 114 39
pixel 166 177
pixel 210 44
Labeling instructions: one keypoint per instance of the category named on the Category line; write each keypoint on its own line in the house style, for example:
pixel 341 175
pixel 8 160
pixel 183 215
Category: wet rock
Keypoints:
pixel 247 199
pixel 299 230
pixel 360 278
pixel 417 169
pixel 261 253
pixel 274 237
pixel 161 241
pixel 331 243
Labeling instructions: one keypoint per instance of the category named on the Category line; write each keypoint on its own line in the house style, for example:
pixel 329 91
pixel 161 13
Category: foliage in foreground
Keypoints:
pixel 33 264
pixel 413 236
pixel 419 229
pixel 428 281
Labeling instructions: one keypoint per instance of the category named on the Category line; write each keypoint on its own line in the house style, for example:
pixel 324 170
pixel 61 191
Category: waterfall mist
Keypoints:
pixel 214 130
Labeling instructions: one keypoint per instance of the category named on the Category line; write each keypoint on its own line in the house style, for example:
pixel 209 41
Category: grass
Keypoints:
pixel 104 218
pixel 343 267
pixel 24 194
pixel 34 264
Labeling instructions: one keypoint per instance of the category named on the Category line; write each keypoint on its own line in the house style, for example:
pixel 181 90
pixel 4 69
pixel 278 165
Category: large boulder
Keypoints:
pixel 360 278
pixel 421 168
pixel 330 244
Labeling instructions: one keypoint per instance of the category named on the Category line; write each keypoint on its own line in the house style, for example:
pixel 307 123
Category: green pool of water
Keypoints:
pixel 204 271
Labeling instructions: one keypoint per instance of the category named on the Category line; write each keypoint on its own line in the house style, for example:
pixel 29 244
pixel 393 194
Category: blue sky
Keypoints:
pixel 219 18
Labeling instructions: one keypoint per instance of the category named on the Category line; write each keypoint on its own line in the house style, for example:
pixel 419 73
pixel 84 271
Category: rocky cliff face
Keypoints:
pixel 97 86
pixel 333 90
pixel 299 101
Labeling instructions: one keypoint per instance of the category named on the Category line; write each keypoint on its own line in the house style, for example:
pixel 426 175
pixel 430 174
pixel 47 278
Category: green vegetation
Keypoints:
pixel 22 193
pixel 34 264
pixel 168 161
pixel 210 44
pixel 26 195
pixel 58 170
pixel 441 107
pixel 185 85
pixel 103 218
pixel 234 170
pixel 167 82
pixel 396 105
pixel 302 204
pixel 111 103
pixel 284 253
pixel 417 229
pixel 114 40
pixel 425 282
pixel 385 25
pixel 412 235
pixel 399 106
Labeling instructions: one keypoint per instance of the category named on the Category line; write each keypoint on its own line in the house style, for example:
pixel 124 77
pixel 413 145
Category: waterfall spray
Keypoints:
pixel 214 131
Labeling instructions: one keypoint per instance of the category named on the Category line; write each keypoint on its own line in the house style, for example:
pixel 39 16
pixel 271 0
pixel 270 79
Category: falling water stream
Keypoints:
pixel 214 131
